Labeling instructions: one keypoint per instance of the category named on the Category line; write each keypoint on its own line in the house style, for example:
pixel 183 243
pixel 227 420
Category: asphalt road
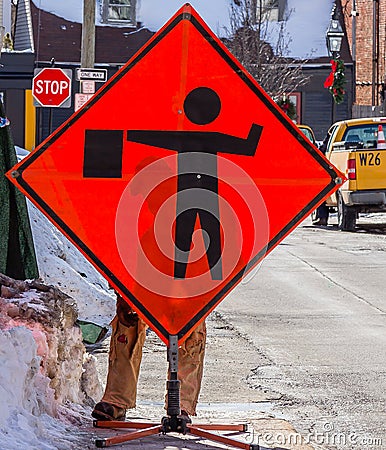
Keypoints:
pixel 316 311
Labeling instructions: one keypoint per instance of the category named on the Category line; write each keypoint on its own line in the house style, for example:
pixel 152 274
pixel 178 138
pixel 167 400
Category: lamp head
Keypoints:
pixel 334 34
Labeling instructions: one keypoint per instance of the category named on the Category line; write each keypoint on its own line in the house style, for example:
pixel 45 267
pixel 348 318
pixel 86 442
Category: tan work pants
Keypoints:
pixel 125 360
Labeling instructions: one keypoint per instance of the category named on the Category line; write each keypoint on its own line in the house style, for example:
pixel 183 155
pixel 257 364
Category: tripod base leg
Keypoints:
pixel 122 424
pixel 242 427
pixel 102 443
pixel 197 431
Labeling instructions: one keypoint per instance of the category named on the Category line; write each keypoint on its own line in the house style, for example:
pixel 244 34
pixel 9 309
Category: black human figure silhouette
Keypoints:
pixel 197 182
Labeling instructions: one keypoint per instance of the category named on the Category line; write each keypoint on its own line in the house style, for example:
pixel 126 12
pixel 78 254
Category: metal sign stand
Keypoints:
pixel 173 422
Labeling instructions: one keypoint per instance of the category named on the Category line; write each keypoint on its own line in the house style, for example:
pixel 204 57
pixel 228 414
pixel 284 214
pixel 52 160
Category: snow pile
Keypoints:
pixel 26 398
pixel 23 388
pixel 44 366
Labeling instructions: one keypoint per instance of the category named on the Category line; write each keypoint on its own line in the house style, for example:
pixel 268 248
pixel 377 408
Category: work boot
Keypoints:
pixel 107 411
pixel 321 222
pixel 185 416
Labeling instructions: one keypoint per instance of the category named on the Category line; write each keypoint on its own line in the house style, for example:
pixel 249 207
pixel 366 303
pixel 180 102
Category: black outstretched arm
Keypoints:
pixel 199 141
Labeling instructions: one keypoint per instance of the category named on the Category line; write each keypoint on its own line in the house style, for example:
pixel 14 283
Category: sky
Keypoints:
pixel 307 24
pixel 306 27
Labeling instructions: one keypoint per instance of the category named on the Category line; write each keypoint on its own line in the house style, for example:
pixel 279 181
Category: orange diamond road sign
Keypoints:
pixel 177 177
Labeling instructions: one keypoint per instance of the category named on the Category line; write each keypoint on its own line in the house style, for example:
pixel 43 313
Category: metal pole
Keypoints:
pixel 50 112
pixel 88 34
pixel 354 15
pixel 374 78
pixel 173 384
pixel 50 121
pixel 40 125
pixel 334 56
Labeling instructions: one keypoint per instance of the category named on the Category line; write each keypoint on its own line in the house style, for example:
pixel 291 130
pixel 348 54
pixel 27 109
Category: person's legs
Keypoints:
pixel 322 213
pixel 190 368
pixel 124 364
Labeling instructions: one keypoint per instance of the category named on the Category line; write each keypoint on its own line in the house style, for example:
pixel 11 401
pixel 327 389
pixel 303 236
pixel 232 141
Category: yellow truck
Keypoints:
pixel 357 148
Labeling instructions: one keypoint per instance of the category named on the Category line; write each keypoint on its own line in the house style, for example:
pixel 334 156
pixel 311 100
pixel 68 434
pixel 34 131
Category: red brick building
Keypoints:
pixel 365 22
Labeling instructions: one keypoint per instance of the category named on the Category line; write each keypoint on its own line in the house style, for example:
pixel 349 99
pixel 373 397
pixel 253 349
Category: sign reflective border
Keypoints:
pixel 177 177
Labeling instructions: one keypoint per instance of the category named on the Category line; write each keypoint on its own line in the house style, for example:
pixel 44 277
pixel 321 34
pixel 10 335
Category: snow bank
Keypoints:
pixel 22 385
pixel 27 402
pixel 44 367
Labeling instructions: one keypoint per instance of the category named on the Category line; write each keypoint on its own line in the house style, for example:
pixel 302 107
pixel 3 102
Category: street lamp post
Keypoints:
pixel 334 35
pixel 334 38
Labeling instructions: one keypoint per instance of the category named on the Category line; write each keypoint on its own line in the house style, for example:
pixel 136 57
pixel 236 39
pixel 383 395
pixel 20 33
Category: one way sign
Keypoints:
pixel 177 177
pixel 99 75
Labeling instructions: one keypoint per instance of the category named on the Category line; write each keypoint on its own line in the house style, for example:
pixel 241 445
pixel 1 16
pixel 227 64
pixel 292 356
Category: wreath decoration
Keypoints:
pixel 287 107
pixel 336 80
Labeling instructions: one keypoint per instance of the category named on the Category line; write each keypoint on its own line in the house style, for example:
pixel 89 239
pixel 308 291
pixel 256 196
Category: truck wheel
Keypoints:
pixel 347 215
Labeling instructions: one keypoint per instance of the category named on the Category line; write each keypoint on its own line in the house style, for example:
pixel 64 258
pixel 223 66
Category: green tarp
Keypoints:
pixel 17 253
pixel 91 332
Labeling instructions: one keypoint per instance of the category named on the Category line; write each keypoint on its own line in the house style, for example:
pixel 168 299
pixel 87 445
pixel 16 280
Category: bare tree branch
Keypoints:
pixel 262 46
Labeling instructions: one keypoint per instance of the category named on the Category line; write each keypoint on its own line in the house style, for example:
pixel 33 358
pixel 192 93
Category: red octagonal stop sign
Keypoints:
pixel 51 87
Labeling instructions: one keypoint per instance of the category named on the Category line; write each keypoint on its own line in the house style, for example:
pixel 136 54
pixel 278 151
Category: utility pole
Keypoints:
pixel 88 34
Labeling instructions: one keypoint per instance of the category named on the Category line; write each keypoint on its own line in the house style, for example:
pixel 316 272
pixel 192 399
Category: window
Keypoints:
pixel 308 133
pixel 275 9
pixel 121 11
pixel 366 134
pixel 331 133
pixel 296 99
pixel 272 3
